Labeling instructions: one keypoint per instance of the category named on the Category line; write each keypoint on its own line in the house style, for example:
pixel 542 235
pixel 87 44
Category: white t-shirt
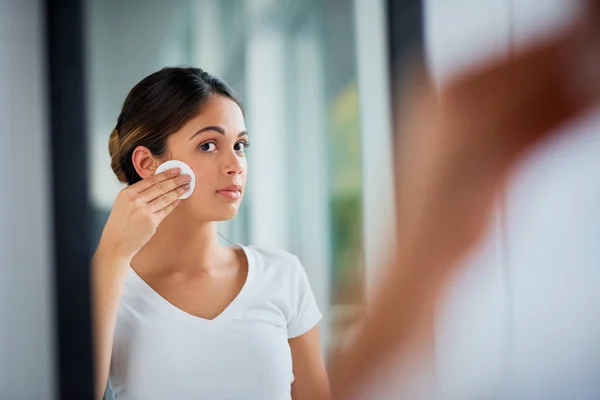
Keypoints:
pixel 162 352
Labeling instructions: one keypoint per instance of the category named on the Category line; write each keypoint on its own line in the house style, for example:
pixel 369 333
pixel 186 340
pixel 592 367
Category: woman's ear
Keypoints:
pixel 144 162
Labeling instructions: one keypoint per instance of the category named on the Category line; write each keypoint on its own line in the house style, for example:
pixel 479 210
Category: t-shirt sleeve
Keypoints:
pixel 305 312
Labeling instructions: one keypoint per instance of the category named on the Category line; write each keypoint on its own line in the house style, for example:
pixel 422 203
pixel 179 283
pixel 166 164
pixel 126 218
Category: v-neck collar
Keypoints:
pixel 233 309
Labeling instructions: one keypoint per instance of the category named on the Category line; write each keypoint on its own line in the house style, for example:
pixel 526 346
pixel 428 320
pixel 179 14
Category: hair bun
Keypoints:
pixel 114 149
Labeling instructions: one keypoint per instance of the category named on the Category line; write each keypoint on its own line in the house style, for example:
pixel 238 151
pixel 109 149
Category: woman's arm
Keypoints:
pixel 310 376
pixel 456 148
pixel 135 216
pixel 108 277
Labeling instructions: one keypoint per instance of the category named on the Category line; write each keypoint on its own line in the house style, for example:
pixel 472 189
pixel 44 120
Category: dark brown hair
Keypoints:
pixel 157 107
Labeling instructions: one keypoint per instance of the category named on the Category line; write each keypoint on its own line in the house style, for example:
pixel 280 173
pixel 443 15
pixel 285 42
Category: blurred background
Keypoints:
pixel 521 320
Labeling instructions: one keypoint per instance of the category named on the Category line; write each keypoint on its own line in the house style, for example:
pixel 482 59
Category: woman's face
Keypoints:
pixel 214 145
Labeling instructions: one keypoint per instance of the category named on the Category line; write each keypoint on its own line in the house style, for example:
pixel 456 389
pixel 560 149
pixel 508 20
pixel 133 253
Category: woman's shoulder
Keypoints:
pixel 275 260
pixel 272 253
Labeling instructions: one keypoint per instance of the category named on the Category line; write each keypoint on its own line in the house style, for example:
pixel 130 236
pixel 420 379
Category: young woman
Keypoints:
pixel 177 315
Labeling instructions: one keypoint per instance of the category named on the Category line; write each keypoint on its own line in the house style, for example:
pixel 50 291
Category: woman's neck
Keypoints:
pixel 183 245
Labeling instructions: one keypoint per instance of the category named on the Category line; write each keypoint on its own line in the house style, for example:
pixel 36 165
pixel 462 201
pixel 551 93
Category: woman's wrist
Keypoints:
pixel 107 254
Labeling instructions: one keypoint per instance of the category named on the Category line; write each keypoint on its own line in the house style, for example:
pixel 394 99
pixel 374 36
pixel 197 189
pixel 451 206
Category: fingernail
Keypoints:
pixel 175 171
pixel 186 187
pixel 186 178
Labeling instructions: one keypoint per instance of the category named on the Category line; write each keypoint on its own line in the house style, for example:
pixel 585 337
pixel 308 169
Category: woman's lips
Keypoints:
pixel 230 194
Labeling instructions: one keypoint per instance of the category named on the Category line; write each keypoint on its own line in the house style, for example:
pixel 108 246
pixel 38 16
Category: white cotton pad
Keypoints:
pixel 185 170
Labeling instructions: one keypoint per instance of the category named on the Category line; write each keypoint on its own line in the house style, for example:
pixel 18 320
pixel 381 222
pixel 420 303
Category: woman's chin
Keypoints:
pixel 216 214
pixel 226 216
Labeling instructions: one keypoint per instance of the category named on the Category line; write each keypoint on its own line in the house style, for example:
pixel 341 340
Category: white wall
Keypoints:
pixel 371 32
pixel 26 331
pixel 520 320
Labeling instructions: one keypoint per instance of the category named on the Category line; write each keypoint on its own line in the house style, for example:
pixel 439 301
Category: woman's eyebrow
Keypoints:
pixel 217 129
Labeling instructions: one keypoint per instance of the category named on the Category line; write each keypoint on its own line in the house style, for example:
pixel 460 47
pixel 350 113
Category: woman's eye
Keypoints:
pixel 241 146
pixel 208 147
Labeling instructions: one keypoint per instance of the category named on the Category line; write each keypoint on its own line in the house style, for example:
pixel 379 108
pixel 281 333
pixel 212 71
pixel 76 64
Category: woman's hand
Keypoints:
pixel 456 147
pixel 138 210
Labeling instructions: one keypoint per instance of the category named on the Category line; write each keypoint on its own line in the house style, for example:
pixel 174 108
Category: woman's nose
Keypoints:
pixel 234 165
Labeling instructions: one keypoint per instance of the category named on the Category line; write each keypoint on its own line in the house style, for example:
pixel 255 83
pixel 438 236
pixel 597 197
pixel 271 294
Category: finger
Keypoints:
pixel 162 213
pixel 167 199
pixel 145 184
pixel 163 187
